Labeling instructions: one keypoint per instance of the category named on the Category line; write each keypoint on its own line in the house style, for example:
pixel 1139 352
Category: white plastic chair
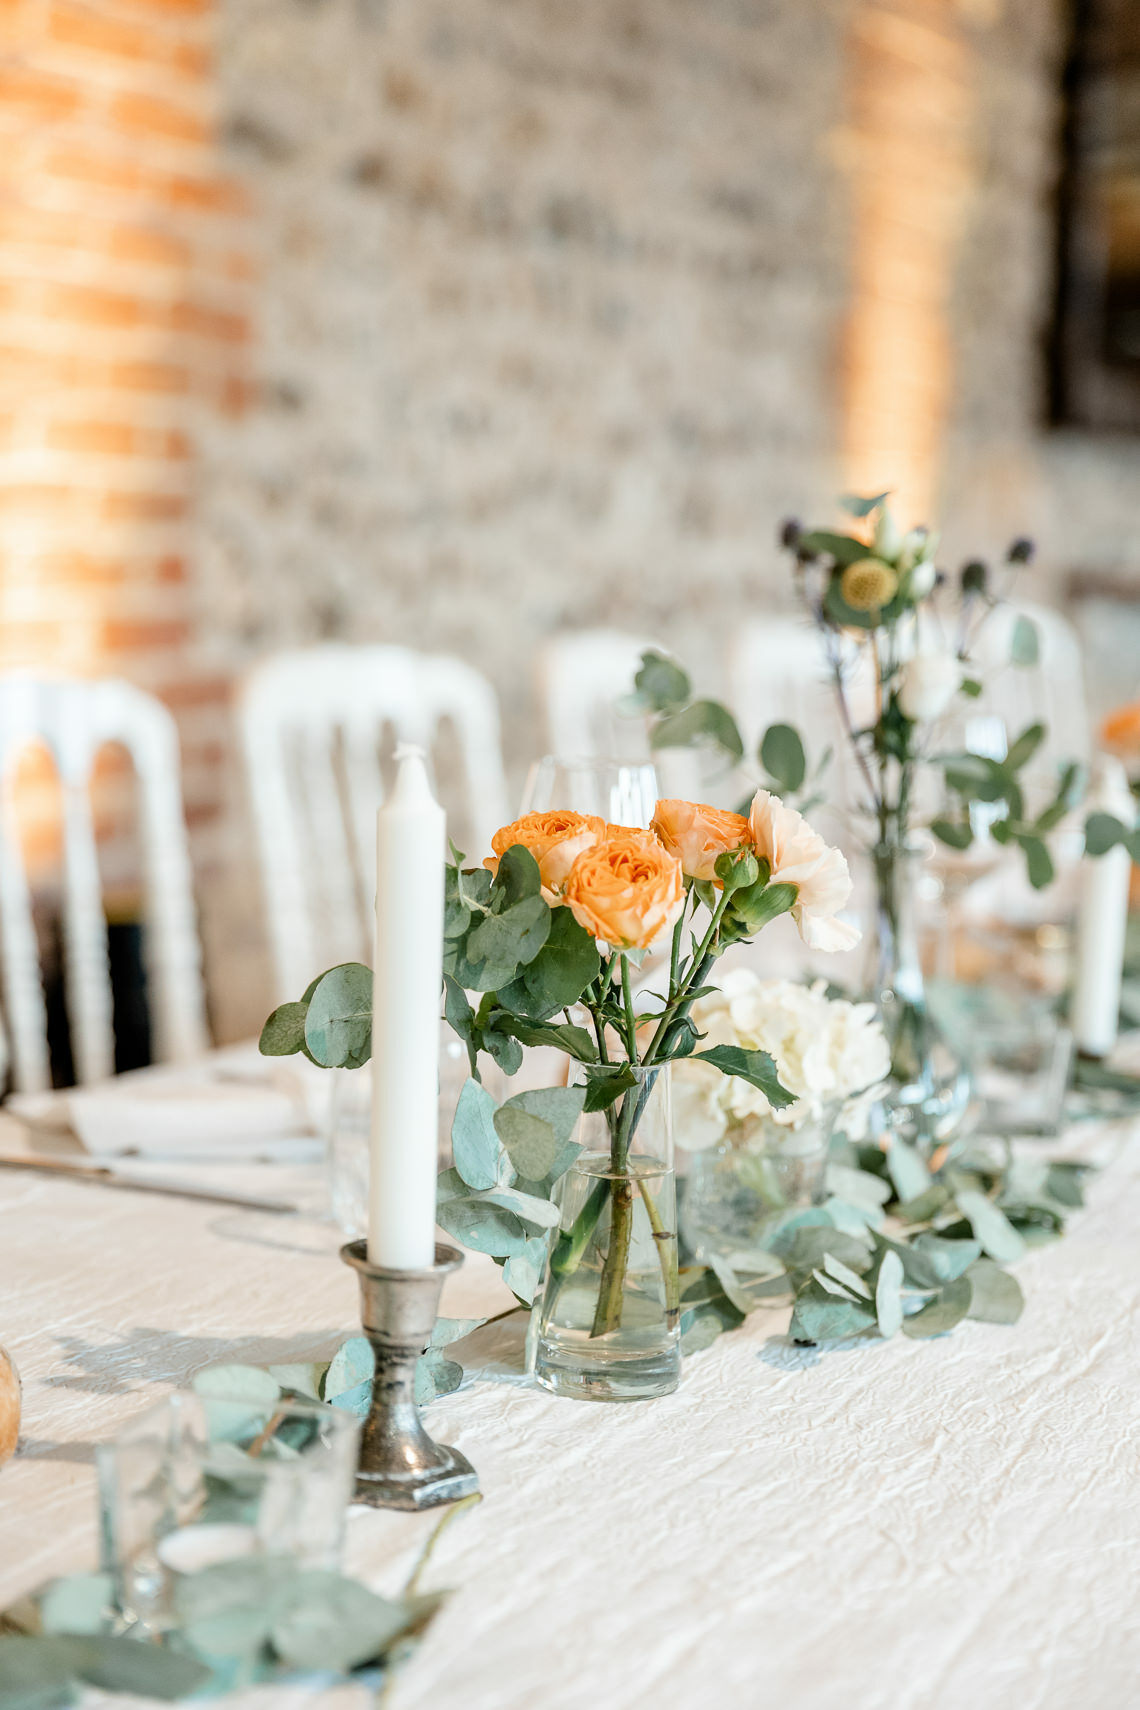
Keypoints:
pixel 312 724
pixel 1051 692
pixel 778 673
pixel 582 678
pixel 74 720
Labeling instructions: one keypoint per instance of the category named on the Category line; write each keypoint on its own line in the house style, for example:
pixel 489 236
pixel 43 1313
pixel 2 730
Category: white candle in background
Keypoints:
pixel 1102 917
pixel 407 982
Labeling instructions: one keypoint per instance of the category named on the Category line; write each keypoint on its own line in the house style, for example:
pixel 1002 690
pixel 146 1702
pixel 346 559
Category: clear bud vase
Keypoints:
pixel 929 1087
pixel 609 1309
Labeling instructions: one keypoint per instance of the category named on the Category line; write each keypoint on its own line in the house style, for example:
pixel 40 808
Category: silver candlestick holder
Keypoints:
pixel 400 1466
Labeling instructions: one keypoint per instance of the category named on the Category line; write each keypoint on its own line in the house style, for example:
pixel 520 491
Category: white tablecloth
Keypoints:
pixel 946 1525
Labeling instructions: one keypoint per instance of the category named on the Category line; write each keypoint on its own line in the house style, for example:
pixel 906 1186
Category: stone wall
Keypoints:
pixel 550 301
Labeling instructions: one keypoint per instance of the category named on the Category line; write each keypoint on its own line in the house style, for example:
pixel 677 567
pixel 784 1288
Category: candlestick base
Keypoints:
pixel 400 1465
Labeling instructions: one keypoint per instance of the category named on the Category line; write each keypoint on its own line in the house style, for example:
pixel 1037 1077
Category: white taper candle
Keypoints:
pixel 1102 917
pixel 407 981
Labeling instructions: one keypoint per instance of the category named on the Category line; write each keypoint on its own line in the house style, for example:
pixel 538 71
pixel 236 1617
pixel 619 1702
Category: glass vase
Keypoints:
pixel 929 1086
pixel 738 1193
pixel 609 1308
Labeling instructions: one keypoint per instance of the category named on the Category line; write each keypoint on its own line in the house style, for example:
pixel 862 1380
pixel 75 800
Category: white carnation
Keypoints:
pixel 826 1051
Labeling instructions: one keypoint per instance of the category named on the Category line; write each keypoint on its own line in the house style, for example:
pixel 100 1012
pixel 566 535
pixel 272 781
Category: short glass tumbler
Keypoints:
pixel 608 1312
pixel 201 1480
pixel 738 1193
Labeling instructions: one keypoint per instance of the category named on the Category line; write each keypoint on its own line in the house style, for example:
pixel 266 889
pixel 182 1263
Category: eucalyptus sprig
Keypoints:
pixel 896 1246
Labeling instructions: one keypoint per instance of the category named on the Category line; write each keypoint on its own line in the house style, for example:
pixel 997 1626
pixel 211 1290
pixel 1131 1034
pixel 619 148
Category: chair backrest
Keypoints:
pixel 778 673
pixel 1051 692
pixel 73 720
pixel 313 723
pixel 582 677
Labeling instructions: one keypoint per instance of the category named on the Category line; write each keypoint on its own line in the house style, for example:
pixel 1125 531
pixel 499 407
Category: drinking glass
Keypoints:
pixel 200 1480
pixel 622 792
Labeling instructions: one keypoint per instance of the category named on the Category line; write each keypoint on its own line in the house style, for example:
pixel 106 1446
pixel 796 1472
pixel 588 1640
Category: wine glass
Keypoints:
pixel 622 792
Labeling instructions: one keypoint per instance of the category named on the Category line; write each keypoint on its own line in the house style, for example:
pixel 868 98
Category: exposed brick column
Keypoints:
pixel 122 321
pixel 912 105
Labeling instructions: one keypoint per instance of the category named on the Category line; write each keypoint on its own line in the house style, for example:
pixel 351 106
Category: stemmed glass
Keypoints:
pixel 622 792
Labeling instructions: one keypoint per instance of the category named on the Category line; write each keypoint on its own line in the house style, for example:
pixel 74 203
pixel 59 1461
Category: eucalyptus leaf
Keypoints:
pixel 474 1139
pixel 436 1375
pixel 1025 747
pixel 957 834
pixel 522 1272
pixel 338 1024
pixel 81 1603
pixel 302 1378
pixel 485 1227
pixel 819 1317
pixel 529 1141
pixel 1038 861
pixel 661 683
pixel 844 548
pixel 353 1363
pixel 1102 832
pixel 999 1239
pixel 782 756
pixel 858 1186
pixel 941 1314
pixel 526 1206
pixel 997 1296
pixel 558 1107
pixel 704 723
pixel 907 1170
pixel 325 1621
pixel 862 507
pixel 284 1031
pixel 831 1285
pixel 888 1295
pixel 237 1399
pixel 834 1267
pixel 947 1259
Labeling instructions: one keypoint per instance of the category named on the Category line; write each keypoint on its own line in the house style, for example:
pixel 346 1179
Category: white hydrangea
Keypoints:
pixel 826 1051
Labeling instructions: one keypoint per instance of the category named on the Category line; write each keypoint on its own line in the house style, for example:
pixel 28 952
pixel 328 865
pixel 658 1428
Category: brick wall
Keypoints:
pixel 557 311
pixel 124 277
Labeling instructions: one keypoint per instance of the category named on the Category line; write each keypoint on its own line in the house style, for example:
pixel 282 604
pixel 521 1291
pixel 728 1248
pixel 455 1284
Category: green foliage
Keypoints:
pixel 758 1068
pixel 661 685
pixel 940 1257
pixel 557 977
pixel 782 755
pixel 1103 831
pixel 701 724
pixel 338 1022
pixel 855 506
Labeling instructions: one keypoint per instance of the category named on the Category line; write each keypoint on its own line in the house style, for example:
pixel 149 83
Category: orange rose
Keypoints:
pixel 1121 729
pixel 555 839
pixel 697 835
pixel 627 890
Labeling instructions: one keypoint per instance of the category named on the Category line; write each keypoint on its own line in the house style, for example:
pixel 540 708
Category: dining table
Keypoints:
pixel 942 1524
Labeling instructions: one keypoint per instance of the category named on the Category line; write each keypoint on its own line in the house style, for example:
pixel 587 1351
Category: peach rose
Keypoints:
pixel 555 839
pixel 799 856
pixel 697 835
pixel 627 890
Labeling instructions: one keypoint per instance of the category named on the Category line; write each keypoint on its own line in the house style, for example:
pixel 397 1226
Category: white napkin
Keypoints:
pixel 229 1106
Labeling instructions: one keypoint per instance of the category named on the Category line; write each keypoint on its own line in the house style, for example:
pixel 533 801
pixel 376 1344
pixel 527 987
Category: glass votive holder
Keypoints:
pixel 199 1480
pixel 1022 1059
